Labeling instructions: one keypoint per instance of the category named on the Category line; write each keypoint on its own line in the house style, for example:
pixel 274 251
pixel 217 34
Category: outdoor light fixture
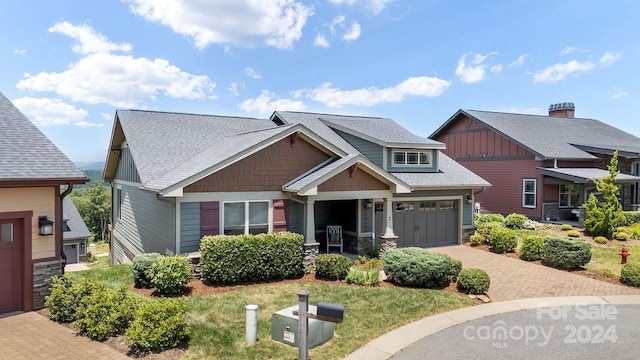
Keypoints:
pixel 45 225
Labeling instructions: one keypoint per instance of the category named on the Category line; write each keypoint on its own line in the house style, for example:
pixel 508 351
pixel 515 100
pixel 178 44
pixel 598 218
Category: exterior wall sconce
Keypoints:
pixel 45 225
pixel 368 204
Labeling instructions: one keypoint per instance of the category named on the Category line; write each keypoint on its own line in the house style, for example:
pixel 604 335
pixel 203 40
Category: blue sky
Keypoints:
pixel 68 65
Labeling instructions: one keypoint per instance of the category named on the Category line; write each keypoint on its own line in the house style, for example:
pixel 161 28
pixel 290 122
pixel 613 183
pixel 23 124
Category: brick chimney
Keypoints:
pixel 565 110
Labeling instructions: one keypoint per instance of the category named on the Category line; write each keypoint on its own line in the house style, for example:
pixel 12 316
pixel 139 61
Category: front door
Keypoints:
pixel 10 238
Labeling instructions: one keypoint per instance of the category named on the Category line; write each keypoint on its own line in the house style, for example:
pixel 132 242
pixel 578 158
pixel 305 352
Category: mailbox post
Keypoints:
pixel 325 311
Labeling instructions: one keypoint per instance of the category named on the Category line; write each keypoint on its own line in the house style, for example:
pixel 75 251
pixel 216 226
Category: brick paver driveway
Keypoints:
pixel 31 336
pixel 513 279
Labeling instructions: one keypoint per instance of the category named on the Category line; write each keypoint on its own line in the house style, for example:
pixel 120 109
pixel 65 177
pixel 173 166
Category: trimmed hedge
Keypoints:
pixel 573 233
pixel 332 266
pixel 67 295
pixel 477 239
pixel 601 240
pixel 531 248
pixel 630 274
pixel 454 270
pixel 158 325
pixel 170 274
pixel 621 236
pixel 566 227
pixel 631 217
pixel 105 313
pixel 567 253
pixel 515 221
pixel 480 219
pixel 485 228
pixel 473 281
pixel 417 267
pixel 141 269
pixel 248 258
pixel 502 240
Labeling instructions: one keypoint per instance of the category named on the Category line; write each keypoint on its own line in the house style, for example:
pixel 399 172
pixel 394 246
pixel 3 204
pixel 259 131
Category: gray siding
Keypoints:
pixel 371 150
pixel 146 225
pixel 126 169
pixel 407 169
pixel 467 207
pixel 295 217
pixel 189 227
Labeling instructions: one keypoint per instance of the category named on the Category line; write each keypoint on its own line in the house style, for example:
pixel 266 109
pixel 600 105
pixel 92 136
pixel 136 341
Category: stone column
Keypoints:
pixel 311 246
pixel 388 239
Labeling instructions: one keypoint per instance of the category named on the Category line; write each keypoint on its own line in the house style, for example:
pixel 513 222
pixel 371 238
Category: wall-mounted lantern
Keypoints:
pixel 45 225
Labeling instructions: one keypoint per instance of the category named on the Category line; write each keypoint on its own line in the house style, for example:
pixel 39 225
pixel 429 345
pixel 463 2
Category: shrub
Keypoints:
pixel 631 217
pixel 573 233
pixel 603 217
pixel 485 228
pixel 607 272
pixel 476 239
pixel 170 274
pixel 566 227
pixel 332 266
pixel 531 248
pixel 105 313
pixel 621 236
pixel 454 270
pixel 515 221
pixel 634 231
pixel 473 281
pixel 158 325
pixel 363 277
pixel 622 229
pixel 531 225
pixel 141 269
pixel 601 240
pixel 630 274
pixel 479 219
pixel 248 258
pixel 67 295
pixel 417 267
pixel 567 253
pixel 503 240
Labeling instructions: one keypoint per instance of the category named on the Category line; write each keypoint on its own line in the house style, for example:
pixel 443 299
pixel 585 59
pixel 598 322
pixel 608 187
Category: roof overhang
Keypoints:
pixel 6 183
pixel 113 152
pixel 609 150
pixel 584 175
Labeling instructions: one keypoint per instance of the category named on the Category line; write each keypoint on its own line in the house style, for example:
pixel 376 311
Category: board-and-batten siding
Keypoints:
pixel 189 227
pixel 467 207
pixel 146 224
pixel 126 169
pixel 372 151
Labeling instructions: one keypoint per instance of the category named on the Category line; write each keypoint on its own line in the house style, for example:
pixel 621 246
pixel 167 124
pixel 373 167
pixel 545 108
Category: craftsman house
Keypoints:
pixel 177 177
pixel 74 233
pixel 32 172
pixel 540 166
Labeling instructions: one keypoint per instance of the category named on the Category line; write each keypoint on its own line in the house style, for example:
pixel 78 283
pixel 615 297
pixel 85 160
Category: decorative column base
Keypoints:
pixel 311 250
pixel 42 274
pixel 387 243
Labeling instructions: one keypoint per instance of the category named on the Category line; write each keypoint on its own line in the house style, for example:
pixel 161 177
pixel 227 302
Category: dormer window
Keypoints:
pixel 412 158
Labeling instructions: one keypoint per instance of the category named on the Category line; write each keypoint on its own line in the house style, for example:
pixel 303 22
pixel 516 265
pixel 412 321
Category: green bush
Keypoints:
pixel 332 266
pixel 531 248
pixel 454 270
pixel 417 267
pixel 251 258
pixel 503 240
pixel 158 325
pixel 621 236
pixel 601 240
pixel 477 239
pixel 566 227
pixel 479 219
pixel 531 225
pixel 105 313
pixel 622 229
pixel 634 231
pixel 607 272
pixel 630 274
pixel 67 295
pixel 170 274
pixel 515 221
pixel 567 253
pixel 573 233
pixel 473 281
pixel 368 264
pixel 631 217
pixel 141 269
pixel 602 217
pixel 363 277
pixel 485 228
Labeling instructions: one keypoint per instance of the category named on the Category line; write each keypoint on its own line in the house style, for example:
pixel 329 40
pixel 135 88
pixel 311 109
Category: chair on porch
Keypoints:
pixel 334 237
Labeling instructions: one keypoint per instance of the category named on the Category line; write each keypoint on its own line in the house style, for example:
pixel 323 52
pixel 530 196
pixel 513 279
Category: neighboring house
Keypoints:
pixel 540 166
pixel 75 233
pixel 177 177
pixel 32 171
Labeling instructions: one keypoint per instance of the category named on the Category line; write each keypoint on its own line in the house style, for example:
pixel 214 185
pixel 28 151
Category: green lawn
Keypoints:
pixel 608 257
pixel 217 321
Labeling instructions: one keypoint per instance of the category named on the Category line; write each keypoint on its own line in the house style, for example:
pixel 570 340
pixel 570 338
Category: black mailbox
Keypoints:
pixel 330 311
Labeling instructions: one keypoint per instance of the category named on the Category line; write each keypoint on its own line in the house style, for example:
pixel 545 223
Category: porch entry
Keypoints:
pixel 10 240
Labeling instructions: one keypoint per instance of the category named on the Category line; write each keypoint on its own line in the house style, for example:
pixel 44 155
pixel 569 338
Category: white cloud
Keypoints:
pixel 353 33
pixel 88 41
pixel 233 88
pixel 519 61
pixel 336 22
pixel 620 94
pixel 276 23
pixel 496 68
pixel 371 96
pixel 52 112
pixel 609 58
pixel 118 80
pixel 321 41
pixel 475 71
pixel 570 50
pixel 252 73
pixel 267 102
pixel 375 6
pixel 560 71
pixel 20 52
pixel 107 116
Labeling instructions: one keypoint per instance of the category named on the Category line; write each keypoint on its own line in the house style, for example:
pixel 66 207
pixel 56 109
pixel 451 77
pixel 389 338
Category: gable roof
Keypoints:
pixel 27 154
pixel 450 175
pixel 585 175
pixel 77 228
pixel 554 137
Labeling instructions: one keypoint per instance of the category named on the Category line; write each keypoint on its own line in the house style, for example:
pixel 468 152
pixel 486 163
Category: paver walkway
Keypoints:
pixel 29 336
pixel 513 279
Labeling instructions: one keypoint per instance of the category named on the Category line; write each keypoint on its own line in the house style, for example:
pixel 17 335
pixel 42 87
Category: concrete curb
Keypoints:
pixel 390 343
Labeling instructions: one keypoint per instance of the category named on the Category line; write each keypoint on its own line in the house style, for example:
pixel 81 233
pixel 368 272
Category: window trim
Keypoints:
pixel 246 214
pixel 119 202
pixel 428 153
pixel 534 193
pixel 568 193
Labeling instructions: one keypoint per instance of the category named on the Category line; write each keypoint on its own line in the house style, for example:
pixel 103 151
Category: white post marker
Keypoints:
pixel 303 323
pixel 252 324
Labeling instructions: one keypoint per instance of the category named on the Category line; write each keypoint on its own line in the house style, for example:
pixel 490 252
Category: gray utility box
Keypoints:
pixel 284 328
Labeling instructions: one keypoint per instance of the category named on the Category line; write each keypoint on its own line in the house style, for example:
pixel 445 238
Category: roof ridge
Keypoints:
pixel 337 115
pixel 194 114
pixel 522 114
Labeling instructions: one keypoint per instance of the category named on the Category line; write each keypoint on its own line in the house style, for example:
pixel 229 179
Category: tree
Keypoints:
pixel 94 205
pixel 602 218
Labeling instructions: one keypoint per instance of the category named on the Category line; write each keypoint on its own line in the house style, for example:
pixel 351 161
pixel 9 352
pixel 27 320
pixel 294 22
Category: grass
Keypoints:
pixel 608 257
pixel 217 321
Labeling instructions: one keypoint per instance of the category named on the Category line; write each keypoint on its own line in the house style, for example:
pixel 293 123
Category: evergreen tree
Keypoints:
pixel 94 205
pixel 602 218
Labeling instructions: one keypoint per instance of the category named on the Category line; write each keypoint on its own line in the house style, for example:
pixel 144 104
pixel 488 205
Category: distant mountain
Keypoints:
pixel 96 165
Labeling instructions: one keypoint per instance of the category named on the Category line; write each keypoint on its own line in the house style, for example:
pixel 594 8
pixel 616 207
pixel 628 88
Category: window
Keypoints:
pixel 529 193
pixel 412 158
pixel 568 195
pixel 6 232
pixel 247 217
pixel 119 203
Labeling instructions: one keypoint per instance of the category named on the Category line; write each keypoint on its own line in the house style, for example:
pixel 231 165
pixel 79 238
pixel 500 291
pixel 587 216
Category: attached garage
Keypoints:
pixel 72 253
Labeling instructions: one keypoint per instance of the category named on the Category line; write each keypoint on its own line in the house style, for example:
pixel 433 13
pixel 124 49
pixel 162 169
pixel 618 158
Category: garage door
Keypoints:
pixel 9 266
pixel 426 223
pixel 71 252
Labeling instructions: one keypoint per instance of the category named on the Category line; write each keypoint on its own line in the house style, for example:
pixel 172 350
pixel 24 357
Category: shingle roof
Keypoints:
pixel 585 175
pixel 26 153
pixel 77 228
pixel 555 137
pixel 451 174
